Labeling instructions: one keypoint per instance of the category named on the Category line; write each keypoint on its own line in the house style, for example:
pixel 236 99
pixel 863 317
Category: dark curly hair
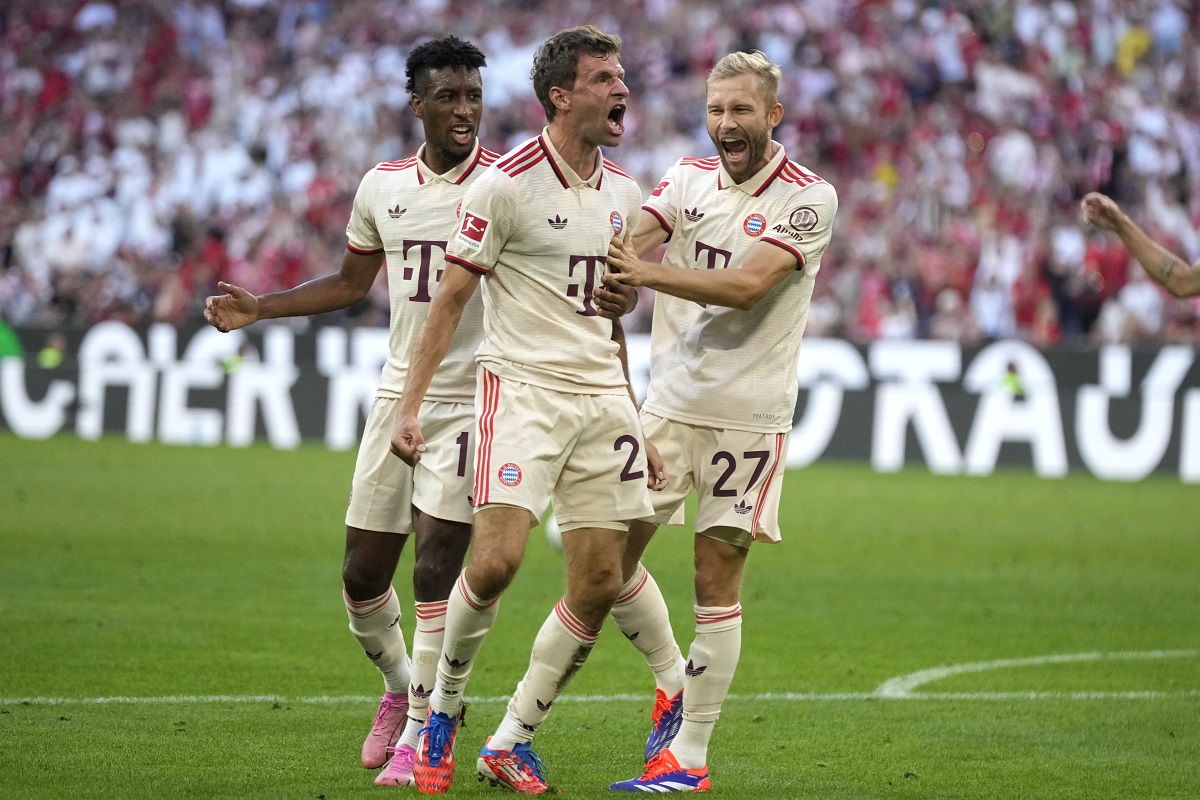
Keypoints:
pixel 558 58
pixel 449 51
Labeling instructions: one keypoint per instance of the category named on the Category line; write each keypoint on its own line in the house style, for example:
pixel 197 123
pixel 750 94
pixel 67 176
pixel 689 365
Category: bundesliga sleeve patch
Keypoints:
pixel 472 230
pixel 658 190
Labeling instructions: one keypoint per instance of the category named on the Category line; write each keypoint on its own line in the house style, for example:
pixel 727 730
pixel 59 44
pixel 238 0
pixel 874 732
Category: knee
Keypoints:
pixel 715 590
pixel 489 577
pixel 593 596
pixel 434 574
pixel 363 579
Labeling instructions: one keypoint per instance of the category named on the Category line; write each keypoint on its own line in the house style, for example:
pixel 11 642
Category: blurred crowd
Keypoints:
pixel 150 148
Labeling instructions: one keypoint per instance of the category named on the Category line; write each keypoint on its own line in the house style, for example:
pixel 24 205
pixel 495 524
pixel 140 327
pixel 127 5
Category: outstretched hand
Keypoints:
pixel 235 309
pixel 1100 210
pixel 407 441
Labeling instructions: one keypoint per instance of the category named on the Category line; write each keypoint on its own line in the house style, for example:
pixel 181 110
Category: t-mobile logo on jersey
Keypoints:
pixel 592 268
pixel 713 254
pixel 423 284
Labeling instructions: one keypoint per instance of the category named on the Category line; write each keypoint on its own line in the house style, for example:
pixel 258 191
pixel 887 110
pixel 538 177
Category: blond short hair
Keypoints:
pixel 751 63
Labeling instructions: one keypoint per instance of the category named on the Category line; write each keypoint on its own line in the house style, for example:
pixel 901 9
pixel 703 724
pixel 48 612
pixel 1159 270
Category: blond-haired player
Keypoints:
pixel 745 231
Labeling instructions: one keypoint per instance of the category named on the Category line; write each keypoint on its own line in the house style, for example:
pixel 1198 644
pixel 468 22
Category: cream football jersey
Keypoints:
pixel 403 209
pixel 539 235
pixel 720 367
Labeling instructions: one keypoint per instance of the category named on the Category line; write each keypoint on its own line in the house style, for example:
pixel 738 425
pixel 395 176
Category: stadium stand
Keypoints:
pixel 150 148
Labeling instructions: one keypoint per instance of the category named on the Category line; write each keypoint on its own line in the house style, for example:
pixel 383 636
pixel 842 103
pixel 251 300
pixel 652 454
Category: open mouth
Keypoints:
pixel 733 149
pixel 462 134
pixel 616 119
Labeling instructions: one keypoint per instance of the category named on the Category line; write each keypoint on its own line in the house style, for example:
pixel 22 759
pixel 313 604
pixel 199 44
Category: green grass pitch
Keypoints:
pixel 202 587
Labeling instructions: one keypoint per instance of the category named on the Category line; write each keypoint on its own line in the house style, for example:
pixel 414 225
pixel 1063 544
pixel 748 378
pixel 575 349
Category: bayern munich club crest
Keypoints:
pixel 755 224
pixel 618 224
pixel 509 474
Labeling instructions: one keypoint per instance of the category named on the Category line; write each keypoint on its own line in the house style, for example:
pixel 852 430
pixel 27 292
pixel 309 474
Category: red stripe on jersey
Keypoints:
pixel 558 172
pixel 361 252
pixel 611 167
pixel 665 226
pixel 703 163
pixel 798 176
pixel 573 625
pixel 467 265
pixel 531 148
pixel 486 427
pixel 395 166
pixel 774 175
pixel 483 158
pixel 762 490
pixel 784 245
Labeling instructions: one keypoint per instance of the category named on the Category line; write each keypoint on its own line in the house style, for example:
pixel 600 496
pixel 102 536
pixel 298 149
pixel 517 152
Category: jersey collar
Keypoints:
pixel 456 175
pixel 757 183
pixel 566 175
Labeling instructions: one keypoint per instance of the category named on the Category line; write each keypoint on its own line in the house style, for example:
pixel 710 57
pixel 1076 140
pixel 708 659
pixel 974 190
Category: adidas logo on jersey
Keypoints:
pixel 397 212
pixel 743 507
pixel 557 223
pixel 693 214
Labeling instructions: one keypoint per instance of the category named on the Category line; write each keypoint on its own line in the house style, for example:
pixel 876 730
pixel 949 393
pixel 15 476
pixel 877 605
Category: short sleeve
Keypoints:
pixel 663 202
pixel 361 234
pixel 805 224
pixel 490 212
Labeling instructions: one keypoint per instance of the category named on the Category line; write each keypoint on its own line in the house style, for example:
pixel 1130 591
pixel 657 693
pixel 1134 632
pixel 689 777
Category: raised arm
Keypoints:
pixel 1171 271
pixel 455 289
pixel 237 308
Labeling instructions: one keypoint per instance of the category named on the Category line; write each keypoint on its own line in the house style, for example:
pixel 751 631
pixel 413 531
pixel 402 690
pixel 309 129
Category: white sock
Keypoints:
pixel 375 623
pixel 712 661
pixel 427 649
pixel 559 650
pixel 468 620
pixel 641 614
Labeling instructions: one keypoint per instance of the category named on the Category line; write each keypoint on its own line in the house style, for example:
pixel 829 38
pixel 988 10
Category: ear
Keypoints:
pixel 561 98
pixel 418 105
pixel 775 115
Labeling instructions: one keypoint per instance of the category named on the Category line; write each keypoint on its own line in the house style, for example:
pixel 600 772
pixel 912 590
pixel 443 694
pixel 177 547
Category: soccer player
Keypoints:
pixel 403 213
pixel 555 416
pixel 1171 271
pixel 745 231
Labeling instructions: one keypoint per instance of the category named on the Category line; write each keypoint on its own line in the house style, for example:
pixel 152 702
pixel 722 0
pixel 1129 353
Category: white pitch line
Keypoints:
pixel 903 686
pixel 900 688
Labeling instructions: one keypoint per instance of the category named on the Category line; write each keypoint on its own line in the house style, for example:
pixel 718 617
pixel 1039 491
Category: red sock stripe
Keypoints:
pixel 465 591
pixel 636 590
pixel 431 610
pixel 486 431
pixel 366 608
pixel 722 615
pixel 574 627
pixel 762 490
